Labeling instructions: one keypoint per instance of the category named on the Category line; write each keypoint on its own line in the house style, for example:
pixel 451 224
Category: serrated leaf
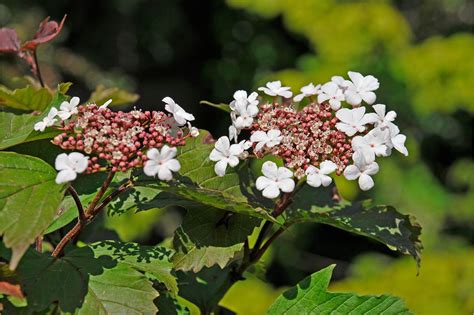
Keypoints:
pixel 152 260
pixel 199 183
pixel 310 296
pixel 16 129
pixel 118 96
pixel 221 106
pixel 382 223
pixel 28 193
pixel 85 282
pixel 209 236
pixel 28 98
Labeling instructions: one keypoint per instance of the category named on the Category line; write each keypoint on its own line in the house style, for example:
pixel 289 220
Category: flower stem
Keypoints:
pixel 38 71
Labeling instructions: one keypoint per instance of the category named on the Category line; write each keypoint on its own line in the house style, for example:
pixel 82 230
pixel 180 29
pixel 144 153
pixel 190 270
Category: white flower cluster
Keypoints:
pixel 373 134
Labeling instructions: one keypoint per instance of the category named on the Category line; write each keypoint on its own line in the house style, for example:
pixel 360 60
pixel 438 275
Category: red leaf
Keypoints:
pixel 11 289
pixel 46 32
pixel 9 42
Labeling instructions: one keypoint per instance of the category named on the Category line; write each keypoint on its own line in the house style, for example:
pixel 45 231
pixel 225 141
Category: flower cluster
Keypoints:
pixel 332 133
pixel 117 140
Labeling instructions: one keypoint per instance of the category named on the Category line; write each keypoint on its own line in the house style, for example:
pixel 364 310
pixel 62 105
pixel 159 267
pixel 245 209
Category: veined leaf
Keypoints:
pixel 382 223
pixel 209 236
pixel 221 106
pixel 28 98
pixel 310 296
pixel 16 129
pixel 118 96
pixel 29 199
pixel 85 282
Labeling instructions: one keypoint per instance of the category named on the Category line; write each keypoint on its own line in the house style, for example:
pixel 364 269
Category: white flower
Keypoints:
pixel 243 113
pixel 351 120
pixel 104 106
pixel 362 171
pixel 379 118
pixel 161 163
pixel 316 177
pixel 274 88
pixel 340 81
pixel 67 109
pixel 179 114
pixel 360 88
pixel 397 140
pixel 47 121
pixel 241 96
pixel 269 139
pixel 331 92
pixel 308 90
pixel 69 166
pixel 193 131
pixel 275 179
pixel 372 144
pixel 225 154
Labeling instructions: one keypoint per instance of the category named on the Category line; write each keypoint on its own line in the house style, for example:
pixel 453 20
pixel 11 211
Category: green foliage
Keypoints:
pixel 118 96
pixel 28 98
pixel 310 297
pixel 222 106
pixel 28 194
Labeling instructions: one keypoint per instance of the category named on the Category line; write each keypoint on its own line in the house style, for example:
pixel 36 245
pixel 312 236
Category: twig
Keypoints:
pixel 39 243
pixel 110 197
pixel 80 208
pixel 69 236
pixel 38 71
pixel 100 194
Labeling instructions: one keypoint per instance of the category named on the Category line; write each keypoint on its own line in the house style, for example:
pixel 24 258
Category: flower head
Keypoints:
pixel 319 176
pixel 161 163
pixel 225 154
pixel 47 121
pixel 363 172
pixel 69 166
pixel 361 88
pixel 269 139
pixel 332 93
pixel 380 118
pixel 274 180
pixel 307 90
pixel 372 144
pixel 351 120
pixel 274 88
pixel 179 114
pixel 67 109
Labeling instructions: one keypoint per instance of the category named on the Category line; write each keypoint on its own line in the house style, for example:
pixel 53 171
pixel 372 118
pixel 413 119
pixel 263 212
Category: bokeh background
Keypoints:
pixel 422 53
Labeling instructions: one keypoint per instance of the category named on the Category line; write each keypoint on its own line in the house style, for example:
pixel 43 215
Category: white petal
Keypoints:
pixel 283 172
pixel 326 180
pixel 391 115
pixel 311 170
pixel 335 104
pixel 270 170
pixel 348 130
pixel 236 149
pixel 352 172
pixel 286 185
pixel 64 114
pixel 356 77
pixel 153 154
pixel 372 169
pixel 40 126
pixel 222 144
pixel 352 97
pixel 327 167
pixel 151 168
pixel 65 176
pixel 298 97
pixel 74 101
pixel 344 115
pixel 233 160
pixel 322 98
pixel 286 94
pixel 216 155
pixel 365 182
pixel 358 113
pixel 220 167
pixel 271 191
pixel 173 165
pixel 62 162
pixel 368 97
pixel 399 144
pixel 164 173
pixel 274 133
pixel 379 109
pixel 78 161
pixel 262 182
pixel 313 180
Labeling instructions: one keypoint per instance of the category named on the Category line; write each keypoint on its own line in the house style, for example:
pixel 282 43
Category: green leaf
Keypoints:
pixel 169 305
pixel 118 96
pixel 86 282
pixel 209 236
pixel 198 182
pixel 205 288
pixel 152 260
pixel 28 98
pixel 64 87
pixel 382 223
pixel 310 296
pixel 15 129
pixel 221 106
pixel 29 199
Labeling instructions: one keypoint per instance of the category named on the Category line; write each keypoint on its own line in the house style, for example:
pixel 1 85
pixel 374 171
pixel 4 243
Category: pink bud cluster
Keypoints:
pixel 118 139
pixel 309 136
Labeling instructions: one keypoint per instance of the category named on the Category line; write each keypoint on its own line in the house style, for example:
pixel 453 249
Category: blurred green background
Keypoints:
pixel 422 53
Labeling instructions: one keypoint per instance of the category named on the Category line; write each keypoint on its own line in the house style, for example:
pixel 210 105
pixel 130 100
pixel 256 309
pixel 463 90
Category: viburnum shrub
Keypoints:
pixel 65 163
